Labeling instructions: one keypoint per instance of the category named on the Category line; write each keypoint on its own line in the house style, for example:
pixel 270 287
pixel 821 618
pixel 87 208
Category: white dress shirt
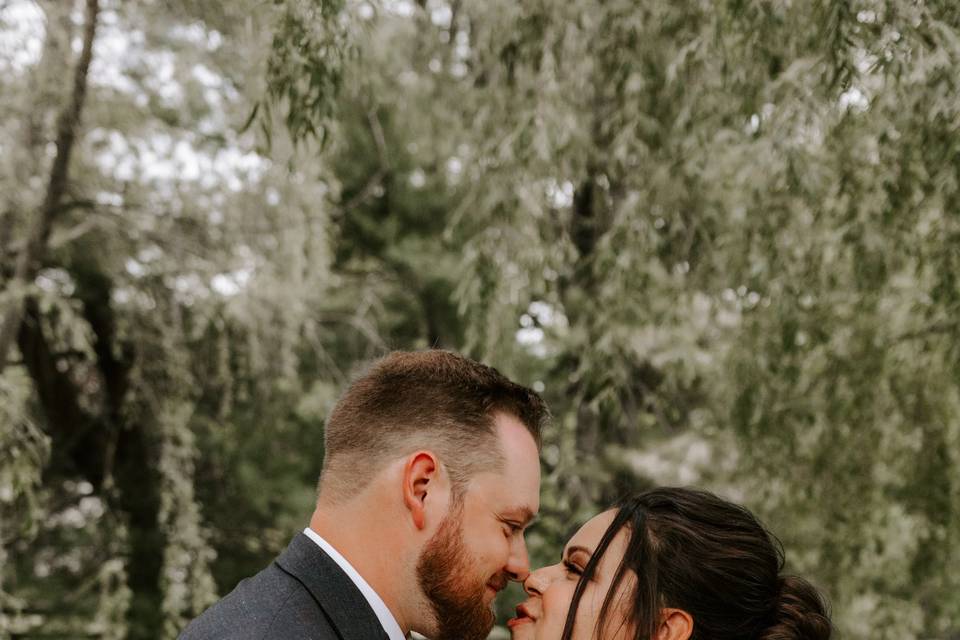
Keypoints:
pixel 386 618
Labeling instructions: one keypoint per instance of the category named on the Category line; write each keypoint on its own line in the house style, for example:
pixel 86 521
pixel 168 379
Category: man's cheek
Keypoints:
pixel 480 551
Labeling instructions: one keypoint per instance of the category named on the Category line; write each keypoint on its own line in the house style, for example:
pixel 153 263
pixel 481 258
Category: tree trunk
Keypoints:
pixel 131 455
pixel 117 454
pixel 35 247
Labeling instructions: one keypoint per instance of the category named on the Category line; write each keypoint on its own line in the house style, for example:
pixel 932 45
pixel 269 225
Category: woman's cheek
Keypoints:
pixel 588 612
pixel 556 604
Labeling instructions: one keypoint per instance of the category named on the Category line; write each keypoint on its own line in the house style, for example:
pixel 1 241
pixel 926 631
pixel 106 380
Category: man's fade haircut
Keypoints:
pixel 435 400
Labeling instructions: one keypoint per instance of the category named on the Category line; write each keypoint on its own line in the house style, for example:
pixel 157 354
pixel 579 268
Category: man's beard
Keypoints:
pixel 446 577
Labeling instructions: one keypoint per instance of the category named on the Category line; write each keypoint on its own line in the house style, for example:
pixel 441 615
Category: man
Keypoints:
pixel 430 476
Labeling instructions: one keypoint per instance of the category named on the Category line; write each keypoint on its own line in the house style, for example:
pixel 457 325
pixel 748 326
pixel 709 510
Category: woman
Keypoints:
pixel 670 564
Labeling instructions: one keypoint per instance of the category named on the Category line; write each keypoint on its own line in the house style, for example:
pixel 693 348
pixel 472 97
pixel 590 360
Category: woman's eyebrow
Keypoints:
pixel 576 549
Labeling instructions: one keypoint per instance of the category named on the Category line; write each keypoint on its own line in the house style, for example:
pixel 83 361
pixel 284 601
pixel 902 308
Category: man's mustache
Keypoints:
pixel 499 581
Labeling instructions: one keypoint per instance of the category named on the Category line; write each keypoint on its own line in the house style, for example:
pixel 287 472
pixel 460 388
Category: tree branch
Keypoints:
pixel 376 130
pixel 27 261
pixel 944 326
pixel 76 434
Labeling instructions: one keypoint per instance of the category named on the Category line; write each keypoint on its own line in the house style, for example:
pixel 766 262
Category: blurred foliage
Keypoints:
pixel 720 237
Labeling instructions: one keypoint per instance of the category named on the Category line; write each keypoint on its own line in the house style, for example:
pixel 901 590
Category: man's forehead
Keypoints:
pixel 521 458
pixel 513 488
pixel 507 496
pixel 514 436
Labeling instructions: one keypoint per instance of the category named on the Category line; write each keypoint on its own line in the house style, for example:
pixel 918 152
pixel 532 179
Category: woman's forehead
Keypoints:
pixel 590 533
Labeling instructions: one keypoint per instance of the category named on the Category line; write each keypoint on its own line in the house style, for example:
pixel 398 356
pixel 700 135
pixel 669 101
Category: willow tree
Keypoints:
pixel 200 303
pixel 720 236
pixel 726 228
pixel 151 323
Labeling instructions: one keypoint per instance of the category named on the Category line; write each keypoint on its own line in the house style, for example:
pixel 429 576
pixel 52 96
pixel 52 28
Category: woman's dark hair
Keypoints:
pixel 694 551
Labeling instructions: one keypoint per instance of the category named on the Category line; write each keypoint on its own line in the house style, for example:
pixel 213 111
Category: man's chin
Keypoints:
pixel 463 608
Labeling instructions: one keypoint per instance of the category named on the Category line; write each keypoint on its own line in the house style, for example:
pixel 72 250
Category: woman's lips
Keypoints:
pixel 523 617
pixel 516 622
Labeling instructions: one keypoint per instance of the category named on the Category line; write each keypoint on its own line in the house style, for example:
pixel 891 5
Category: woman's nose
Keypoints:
pixel 537 582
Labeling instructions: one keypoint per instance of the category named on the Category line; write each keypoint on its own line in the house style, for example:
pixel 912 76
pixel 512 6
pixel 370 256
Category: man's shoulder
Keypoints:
pixel 271 604
pixel 302 594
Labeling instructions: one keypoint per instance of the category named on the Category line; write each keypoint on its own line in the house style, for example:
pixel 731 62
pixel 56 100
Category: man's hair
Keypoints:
pixel 435 400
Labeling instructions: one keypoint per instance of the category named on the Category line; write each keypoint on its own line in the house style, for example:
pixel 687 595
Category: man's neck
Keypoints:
pixel 377 558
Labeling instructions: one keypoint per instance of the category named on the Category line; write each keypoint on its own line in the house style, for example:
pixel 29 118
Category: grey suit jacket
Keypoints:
pixel 302 595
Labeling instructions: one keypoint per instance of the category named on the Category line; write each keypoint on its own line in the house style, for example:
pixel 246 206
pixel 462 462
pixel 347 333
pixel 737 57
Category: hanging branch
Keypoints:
pixel 29 259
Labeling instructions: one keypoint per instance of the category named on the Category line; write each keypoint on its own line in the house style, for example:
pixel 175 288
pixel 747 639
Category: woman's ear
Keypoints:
pixel 420 478
pixel 675 624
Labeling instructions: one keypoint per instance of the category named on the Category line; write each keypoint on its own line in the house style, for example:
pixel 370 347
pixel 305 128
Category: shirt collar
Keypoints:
pixel 380 608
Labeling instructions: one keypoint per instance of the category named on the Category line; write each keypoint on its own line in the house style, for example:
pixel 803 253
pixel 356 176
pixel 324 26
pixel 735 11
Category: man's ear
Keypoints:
pixel 675 624
pixel 420 478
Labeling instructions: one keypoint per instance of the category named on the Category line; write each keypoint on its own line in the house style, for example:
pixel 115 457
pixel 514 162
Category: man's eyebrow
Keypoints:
pixel 523 515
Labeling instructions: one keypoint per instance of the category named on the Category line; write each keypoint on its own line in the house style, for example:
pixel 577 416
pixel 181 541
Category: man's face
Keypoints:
pixel 479 547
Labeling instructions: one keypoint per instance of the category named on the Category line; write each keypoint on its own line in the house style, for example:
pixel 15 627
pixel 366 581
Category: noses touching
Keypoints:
pixel 516 569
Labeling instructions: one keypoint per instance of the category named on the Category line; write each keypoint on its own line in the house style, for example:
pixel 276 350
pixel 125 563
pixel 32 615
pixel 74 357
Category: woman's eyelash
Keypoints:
pixel 572 568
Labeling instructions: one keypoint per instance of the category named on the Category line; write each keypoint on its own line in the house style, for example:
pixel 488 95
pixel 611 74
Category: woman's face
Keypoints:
pixel 543 614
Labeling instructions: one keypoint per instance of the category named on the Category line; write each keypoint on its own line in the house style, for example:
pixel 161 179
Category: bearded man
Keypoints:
pixel 430 475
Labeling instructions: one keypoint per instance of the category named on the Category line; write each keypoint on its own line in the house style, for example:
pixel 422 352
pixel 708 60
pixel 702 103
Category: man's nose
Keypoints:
pixel 518 564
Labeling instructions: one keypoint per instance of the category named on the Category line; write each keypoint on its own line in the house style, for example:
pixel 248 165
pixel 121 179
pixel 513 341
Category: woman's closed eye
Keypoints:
pixel 574 560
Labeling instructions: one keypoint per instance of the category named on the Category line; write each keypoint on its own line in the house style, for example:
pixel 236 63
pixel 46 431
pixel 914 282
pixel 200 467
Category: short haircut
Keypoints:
pixel 435 400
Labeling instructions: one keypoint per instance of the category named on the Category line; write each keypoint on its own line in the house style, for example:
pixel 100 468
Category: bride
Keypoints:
pixel 670 564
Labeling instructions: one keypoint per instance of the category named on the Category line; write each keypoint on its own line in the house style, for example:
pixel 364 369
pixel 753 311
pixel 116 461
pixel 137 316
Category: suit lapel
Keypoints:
pixel 333 590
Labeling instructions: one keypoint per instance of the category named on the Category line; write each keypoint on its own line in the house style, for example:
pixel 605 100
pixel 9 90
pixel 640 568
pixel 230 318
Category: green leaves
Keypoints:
pixel 721 237
pixel 310 50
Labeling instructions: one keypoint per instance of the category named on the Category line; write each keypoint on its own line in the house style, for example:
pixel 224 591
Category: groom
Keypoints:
pixel 430 475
